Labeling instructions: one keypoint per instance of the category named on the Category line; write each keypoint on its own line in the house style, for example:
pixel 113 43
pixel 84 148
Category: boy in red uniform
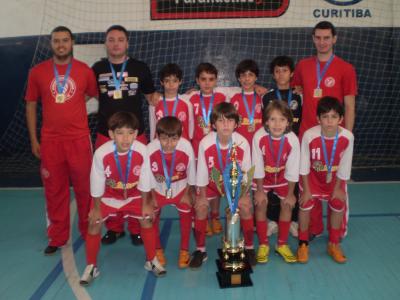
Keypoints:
pixel 325 166
pixel 61 84
pixel 214 151
pixel 172 173
pixel 120 184
pixel 171 103
pixel 276 157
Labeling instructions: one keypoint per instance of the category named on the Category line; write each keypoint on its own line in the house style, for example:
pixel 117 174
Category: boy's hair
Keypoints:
pixel 63 29
pixel 207 68
pixel 327 103
pixel 246 65
pixel 170 126
pixel 123 119
pixel 283 108
pixel 281 61
pixel 118 28
pixel 171 70
pixel 325 25
pixel 225 109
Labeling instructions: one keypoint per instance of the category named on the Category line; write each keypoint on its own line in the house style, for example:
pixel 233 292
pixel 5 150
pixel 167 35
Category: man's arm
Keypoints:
pixel 31 121
pixel 153 98
pixel 349 111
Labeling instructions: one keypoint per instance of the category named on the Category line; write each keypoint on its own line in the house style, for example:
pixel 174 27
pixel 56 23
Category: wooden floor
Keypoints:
pixel 372 247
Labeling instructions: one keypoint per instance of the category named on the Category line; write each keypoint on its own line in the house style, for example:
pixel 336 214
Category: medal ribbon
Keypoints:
pixel 233 200
pixel 220 154
pixel 321 75
pixel 128 165
pixel 117 82
pixel 206 114
pixel 329 166
pixel 271 148
pixel 60 86
pixel 289 96
pixel 253 106
pixel 166 112
pixel 168 175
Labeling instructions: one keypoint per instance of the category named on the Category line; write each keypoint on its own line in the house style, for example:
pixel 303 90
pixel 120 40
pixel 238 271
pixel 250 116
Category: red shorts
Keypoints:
pixel 175 201
pixel 132 209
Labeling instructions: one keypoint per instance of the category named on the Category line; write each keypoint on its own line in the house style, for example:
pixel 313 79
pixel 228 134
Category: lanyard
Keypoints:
pixel 220 154
pixel 117 82
pixel 128 165
pixel 289 95
pixel 329 166
pixel 168 175
pixel 253 106
pixel 321 75
pixel 166 111
pixel 206 114
pixel 271 148
pixel 60 86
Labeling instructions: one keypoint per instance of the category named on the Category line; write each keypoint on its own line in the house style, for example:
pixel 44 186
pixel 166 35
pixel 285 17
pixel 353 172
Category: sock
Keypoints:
pixel 262 227
pixel 247 227
pixel 185 219
pixel 200 227
pixel 283 233
pixel 156 227
pixel 303 235
pixel 334 235
pixel 134 226
pixel 149 242
pixel 92 248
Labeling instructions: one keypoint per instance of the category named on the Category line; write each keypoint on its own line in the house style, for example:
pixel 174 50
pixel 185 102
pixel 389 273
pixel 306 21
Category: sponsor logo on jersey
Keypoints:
pixel 136 170
pixel 182 116
pixel 180 167
pixel 45 173
pixel 69 87
pixel 329 82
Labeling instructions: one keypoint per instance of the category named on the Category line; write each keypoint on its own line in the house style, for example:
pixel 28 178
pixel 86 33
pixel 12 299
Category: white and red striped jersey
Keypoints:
pixel 312 162
pixel 105 180
pixel 184 170
pixel 275 174
pixel 184 112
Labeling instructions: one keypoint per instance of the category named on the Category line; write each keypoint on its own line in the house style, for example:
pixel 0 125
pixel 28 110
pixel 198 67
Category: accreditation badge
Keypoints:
pixel 60 98
pixel 117 94
pixel 317 93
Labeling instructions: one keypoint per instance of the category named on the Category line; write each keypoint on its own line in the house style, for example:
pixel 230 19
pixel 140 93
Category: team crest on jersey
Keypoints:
pixel 329 82
pixel 180 167
pixel 136 170
pixel 258 108
pixel 45 173
pixel 69 87
pixel 318 166
pixel 159 178
pixel 294 105
pixel 182 116
pixel 111 183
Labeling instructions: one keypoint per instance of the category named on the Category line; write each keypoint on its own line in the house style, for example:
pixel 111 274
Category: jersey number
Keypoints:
pixel 316 154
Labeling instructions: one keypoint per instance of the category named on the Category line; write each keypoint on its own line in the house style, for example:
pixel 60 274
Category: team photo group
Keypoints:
pixel 292 144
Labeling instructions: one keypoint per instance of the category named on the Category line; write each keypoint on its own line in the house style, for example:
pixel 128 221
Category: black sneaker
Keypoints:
pixel 251 256
pixel 111 237
pixel 50 250
pixel 136 239
pixel 198 257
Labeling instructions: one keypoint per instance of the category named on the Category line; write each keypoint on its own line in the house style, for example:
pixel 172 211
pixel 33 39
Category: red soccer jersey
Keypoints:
pixel 208 158
pixel 243 127
pixel 68 120
pixel 338 81
pixel 312 161
pixel 184 112
pixel 183 172
pixel 105 180
pixel 265 161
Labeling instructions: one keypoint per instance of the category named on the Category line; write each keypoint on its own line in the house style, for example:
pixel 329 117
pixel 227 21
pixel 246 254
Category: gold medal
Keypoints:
pixel 117 94
pixel 251 127
pixel 317 93
pixel 168 193
pixel 60 98
pixel 329 177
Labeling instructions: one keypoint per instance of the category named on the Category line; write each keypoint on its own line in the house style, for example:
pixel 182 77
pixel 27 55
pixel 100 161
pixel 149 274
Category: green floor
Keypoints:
pixel 372 247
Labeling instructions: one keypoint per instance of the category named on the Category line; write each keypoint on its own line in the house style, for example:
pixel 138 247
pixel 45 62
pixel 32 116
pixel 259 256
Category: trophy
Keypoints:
pixel 233 267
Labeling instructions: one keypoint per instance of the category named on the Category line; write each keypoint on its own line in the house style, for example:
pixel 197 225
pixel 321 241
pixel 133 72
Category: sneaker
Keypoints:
pixel 155 267
pixel 184 258
pixel 302 253
pixel 216 226
pixel 336 253
pixel 50 250
pixel 198 257
pixel 294 229
pixel 286 253
pixel 160 257
pixel 209 231
pixel 90 273
pixel 136 239
pixel 251 256
pixel 111 237
pixel 272 228
pixel 262 254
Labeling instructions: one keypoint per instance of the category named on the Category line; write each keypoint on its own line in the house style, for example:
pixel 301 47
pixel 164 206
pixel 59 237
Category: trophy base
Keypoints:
pixel 229 278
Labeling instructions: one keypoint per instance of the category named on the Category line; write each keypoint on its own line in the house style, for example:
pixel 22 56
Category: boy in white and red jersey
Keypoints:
pixel 247 102
pixel 214 151
pixel 276 157
pixel 325 166
pixel 120 184
pixel 173 171
pixel 171 103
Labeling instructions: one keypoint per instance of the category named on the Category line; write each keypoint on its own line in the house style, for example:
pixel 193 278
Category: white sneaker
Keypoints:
pixel 272 228
pixel 155 267
pixel 90 273
pixel 294 229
